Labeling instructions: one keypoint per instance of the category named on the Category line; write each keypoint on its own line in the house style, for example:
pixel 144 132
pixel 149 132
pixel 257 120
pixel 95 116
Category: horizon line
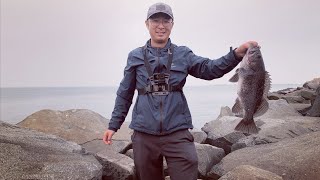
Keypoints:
pixel 118 86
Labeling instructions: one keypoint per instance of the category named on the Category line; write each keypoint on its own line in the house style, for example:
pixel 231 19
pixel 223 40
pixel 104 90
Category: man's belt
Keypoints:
pixel 159 89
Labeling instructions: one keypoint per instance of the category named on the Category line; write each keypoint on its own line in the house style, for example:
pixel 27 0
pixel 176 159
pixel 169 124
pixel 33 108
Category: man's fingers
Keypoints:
pixel 252 43
pixel 108 136
pixel 104 136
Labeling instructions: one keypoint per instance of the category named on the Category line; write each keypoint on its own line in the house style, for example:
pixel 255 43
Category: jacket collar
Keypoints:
pixel 165 48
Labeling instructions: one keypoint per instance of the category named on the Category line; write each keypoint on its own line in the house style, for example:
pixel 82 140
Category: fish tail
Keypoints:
pixel 247 126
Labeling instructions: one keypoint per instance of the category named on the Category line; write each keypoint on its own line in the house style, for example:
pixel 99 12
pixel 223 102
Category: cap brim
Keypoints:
pixel 160 12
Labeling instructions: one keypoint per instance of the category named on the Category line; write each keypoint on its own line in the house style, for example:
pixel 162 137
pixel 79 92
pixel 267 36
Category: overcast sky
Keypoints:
pixel 86 42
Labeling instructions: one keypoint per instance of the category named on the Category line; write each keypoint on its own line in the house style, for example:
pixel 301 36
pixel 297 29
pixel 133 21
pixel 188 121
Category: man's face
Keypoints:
pixel 159 26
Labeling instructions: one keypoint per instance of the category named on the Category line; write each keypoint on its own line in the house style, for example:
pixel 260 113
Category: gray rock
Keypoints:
pixel 296 92
pixel 225 111
pixel 129 153
pixel 199 136
pixel 222 126
pixel 292 159
pixel 226 124
pixel 247 172
pixel 308 94
pixel 207 157
pixel 298 106
pixel 283 130
pixel 280 122
pixel 286 91
pixel 77 125
pixel 96 146
pixel 315 109
pixel 274 96
pixel 279 109
pixel 28 154
pixel 294 99
pixel 116 166
pixel 313 84
pixel 275 130
pixel 224 142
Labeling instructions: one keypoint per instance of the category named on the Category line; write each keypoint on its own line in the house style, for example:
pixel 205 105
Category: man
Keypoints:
pixel 161 117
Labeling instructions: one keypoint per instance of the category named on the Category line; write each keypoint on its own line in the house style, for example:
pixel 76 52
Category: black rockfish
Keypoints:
pixel 253 87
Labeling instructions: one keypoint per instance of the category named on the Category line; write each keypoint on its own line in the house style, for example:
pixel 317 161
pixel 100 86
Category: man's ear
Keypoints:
pixel 147 23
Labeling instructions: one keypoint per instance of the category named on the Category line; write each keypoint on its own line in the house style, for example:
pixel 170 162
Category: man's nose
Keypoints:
pixel 161 24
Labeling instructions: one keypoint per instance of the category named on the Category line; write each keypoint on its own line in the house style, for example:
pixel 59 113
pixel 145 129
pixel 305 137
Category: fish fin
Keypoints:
pixel 235 77
pixel 237 108
pixel 247 126
pixel 267 84
pixel 263 108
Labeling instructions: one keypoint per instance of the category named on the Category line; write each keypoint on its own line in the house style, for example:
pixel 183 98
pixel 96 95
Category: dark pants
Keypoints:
pixel 178 149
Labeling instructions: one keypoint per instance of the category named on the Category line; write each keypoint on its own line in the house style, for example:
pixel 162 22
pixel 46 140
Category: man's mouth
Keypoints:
pixel 160 33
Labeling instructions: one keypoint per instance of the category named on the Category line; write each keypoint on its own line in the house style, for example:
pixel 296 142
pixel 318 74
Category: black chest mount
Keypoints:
pixel 159 82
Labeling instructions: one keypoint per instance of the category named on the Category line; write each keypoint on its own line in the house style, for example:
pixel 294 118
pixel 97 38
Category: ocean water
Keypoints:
pixel 18 103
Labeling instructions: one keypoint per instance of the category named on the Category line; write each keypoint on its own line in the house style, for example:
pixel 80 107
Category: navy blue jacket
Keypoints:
pixel 161 115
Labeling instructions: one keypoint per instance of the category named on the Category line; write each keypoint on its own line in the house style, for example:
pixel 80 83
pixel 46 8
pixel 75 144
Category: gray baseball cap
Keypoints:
pixel 160 8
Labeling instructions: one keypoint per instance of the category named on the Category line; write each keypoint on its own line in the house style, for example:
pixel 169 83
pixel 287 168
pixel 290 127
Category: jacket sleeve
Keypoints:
pixel 208 69
pixel 124 97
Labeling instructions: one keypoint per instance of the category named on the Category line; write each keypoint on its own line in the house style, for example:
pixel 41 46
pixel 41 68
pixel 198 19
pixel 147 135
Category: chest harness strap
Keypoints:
pixel 159 82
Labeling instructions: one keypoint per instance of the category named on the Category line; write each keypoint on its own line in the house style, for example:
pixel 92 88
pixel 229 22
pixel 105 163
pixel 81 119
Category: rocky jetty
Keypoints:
pixel 306 99
pixel 77 125
pixel 28 154
pixel 86 128
pixel 295 158
pixel 68 144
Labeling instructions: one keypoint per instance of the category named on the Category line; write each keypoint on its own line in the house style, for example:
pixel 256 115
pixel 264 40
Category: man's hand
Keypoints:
pixel 242 49
pixel 107 136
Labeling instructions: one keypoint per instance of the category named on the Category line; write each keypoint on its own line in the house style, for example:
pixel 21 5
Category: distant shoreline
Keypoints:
pixel 186 86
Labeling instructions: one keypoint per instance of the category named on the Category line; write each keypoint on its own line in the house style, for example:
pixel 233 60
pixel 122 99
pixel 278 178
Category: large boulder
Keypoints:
pixel 292 159
pixel 314 111
pixel 121 141
pixel 96 146
pixel 279 109
pixel 224 125
pixel 225 142
pixel 313 84
pixel 207 157
pixel 274 96
pixel 199 136
pixel 308 94
pixel 28 154
pixel 298 106
pixel 247 172
pixel 77 125
pixel 294 99
pixel 116 166
pixel 281 121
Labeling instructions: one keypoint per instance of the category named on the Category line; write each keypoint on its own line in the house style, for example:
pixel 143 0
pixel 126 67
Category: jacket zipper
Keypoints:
pixel 161 104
